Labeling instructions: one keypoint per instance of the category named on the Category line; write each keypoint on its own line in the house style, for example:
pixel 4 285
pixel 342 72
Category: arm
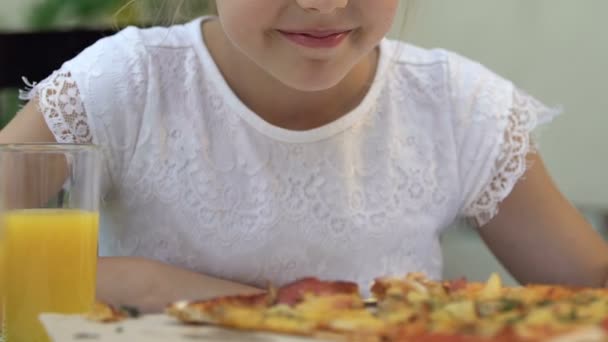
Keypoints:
pixel 150 285
pixel 541 238
pixel 29 126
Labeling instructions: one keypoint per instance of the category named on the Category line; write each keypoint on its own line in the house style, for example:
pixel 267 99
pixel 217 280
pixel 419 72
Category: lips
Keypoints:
pixel 320 39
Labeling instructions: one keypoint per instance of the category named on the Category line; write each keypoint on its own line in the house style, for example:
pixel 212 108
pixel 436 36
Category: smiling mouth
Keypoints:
pixel 317 39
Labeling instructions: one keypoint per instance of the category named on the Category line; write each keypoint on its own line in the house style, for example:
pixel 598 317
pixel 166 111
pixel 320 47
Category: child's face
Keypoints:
pixel 309 45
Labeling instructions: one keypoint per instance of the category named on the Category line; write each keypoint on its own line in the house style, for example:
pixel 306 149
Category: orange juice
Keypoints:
pixel 50 266
pixel 1 285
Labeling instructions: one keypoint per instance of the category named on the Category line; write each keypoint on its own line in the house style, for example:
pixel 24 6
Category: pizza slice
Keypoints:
pixel 308 307
pixel 104 313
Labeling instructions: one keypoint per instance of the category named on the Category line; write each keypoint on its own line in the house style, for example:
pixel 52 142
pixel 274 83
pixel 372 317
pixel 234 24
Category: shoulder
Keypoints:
pixel 437 78
pixel 123 62
pixel 470 89
pixel 454 66
pixel 133 44
pixel 407 54
pixel 175 36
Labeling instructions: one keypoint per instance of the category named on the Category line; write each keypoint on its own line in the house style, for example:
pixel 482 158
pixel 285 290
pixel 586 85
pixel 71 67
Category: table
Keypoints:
pixel 66 328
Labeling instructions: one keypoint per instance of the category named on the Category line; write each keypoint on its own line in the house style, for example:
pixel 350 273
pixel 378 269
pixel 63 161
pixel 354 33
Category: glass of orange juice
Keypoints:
pixel 49 218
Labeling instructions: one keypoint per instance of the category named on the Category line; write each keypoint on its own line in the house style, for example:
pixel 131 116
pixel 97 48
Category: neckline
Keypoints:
pixel 279 133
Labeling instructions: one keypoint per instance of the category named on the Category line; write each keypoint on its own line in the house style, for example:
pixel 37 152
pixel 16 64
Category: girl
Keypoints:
pixel 289 138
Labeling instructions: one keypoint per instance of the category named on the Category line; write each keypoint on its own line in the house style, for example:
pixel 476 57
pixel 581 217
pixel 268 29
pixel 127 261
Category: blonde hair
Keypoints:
pixel 162 12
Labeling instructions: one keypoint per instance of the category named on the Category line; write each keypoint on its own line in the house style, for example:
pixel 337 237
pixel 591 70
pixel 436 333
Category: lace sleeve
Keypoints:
pixel 511 163
pixel 98 97
pixel 493 127
pixel 60 103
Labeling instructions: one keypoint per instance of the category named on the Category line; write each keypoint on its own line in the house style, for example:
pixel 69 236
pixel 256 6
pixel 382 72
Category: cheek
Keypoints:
pixel 381 14
pixel 245 22
pixel 247 13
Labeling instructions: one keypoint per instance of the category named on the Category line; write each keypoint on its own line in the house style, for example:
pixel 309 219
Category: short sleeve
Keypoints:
pixel 494 122
pixel 97 97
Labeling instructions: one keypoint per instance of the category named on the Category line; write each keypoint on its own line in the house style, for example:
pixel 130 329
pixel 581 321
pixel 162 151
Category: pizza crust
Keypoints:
pixel 587 334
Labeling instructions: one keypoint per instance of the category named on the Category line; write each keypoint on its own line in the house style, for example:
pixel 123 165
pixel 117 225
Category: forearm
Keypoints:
pixel 149 285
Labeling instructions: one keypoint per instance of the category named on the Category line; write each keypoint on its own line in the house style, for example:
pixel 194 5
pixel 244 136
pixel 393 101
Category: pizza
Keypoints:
pixel 421 310
pixel 104 313
pixel 308 307
pixel 412 308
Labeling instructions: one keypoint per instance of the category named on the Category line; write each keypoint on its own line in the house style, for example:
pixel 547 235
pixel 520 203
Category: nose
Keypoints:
pixel 322 6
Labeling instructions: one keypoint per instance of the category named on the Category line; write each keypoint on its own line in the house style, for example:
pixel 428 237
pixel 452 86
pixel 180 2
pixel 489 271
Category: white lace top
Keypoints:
pixel 196 179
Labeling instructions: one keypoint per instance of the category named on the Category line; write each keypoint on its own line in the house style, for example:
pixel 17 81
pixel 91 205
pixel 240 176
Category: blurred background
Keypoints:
pixel 554 49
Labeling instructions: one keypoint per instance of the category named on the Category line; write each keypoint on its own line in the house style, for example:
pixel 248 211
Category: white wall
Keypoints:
pixel 554 49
